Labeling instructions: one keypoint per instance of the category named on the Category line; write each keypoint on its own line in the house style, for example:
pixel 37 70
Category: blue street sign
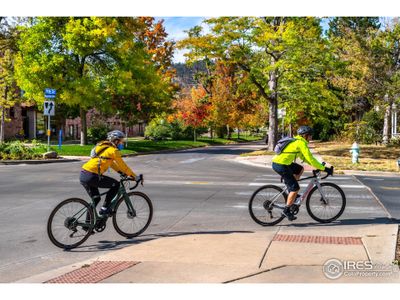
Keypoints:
pixel 50 93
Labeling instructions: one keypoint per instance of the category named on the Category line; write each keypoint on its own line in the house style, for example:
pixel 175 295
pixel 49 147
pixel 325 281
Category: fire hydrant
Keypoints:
pixel 355 152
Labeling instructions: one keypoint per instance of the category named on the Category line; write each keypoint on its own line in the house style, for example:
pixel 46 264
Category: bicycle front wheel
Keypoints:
pixel 266 205
pixel 133 223
pixel 70 223
pixel 327 204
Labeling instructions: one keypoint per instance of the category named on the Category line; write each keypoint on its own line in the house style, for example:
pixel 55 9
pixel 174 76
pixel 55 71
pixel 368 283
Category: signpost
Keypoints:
pixel 49 110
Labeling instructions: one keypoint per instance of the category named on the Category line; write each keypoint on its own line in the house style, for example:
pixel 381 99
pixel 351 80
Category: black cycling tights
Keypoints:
pixel 92 182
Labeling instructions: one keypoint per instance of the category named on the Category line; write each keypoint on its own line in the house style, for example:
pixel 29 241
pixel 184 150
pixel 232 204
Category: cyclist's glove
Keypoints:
pixel 329 170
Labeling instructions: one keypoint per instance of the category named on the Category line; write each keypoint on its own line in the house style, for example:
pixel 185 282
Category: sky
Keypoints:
pixel 176 27
pixel 181 15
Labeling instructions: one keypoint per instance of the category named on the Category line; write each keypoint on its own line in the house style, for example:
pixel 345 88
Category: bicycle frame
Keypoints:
pixel 121 193
pixel 315 181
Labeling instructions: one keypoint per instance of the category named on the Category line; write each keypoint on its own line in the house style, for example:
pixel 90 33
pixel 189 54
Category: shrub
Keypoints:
pixel 16 150
pixel 97 133
pixel 158 129
pixel 361 132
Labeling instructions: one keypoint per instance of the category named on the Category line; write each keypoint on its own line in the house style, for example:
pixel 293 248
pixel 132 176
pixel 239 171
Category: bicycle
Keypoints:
pixel 267 203
pixel 73 220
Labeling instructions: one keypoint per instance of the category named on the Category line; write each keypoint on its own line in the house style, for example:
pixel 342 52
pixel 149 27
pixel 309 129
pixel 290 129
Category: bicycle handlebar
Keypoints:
pixel 315 174
pixel 128 178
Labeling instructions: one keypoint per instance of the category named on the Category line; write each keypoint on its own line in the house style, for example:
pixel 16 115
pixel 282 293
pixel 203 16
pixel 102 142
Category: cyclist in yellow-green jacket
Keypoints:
pixel 284 164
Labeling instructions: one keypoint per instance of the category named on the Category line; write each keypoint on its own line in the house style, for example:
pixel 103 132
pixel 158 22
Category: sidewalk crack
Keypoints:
pixel 269 245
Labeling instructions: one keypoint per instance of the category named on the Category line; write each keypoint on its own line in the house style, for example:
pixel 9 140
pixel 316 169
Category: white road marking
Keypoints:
pixel 349 186
pixel 192 160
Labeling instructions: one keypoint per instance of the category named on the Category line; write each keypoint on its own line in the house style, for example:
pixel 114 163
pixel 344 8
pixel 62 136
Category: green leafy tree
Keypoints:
pixel 9 93
pixel 93 62
pixel 277 53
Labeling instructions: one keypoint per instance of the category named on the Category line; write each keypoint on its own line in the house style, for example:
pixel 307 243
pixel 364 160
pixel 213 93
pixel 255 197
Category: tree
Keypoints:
pixel 92 62
pixel 153 93
pixel 266 49
pixel 9 93
pixel 386 54
pixel 193 108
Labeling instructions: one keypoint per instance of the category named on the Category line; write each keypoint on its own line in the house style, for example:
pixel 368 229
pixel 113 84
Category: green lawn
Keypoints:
pixel 142 146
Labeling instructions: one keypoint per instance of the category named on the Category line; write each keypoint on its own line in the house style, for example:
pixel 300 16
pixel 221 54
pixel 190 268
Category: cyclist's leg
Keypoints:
pixel 90 182
pixel 293 186
pixel 291 183
pixel 288 173
pixel 297 170
pixel 112 185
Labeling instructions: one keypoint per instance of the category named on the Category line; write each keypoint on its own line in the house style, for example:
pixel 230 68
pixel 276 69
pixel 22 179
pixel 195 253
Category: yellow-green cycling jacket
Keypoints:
pixel 298 148
pixel 111 157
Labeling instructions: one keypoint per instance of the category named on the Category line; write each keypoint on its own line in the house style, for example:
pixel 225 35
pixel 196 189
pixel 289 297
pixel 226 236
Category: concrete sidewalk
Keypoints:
pixel 338 254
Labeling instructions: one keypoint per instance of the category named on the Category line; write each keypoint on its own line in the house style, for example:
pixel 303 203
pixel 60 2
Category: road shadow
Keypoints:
pixel 106 245
pixel 367 221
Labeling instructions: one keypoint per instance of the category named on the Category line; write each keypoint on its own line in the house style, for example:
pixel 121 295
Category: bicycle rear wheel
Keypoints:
pixel 70 223
pixel 328 208
pixel 266 205
pixel 130 224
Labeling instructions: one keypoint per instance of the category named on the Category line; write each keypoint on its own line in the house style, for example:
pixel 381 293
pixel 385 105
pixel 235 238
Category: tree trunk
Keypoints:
pixel 386 124
pixel 228 132
pixel 273 109
pixel 83 127
pixel 2 125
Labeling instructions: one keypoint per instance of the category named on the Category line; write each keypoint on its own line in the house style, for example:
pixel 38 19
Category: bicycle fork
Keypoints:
pixel 324 199
pixel 131 211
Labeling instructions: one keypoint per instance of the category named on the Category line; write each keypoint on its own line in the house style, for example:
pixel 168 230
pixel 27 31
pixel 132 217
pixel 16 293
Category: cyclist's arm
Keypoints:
pixel 306 155
pixel 120 166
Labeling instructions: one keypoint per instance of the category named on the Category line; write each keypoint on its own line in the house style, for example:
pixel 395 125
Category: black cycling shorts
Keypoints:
pixel 287 172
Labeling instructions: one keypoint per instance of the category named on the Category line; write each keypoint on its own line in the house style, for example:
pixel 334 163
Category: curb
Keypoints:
pixel 80 158
pixel 36 161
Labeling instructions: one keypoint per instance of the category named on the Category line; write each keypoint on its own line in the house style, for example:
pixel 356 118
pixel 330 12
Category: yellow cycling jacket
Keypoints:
pixel 111 157
pixel 298 148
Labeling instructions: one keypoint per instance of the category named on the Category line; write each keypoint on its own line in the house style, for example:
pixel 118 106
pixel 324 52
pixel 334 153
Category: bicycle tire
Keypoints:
pixel 67 219
pixel 342 204
pixel 261 208
pixel 146 215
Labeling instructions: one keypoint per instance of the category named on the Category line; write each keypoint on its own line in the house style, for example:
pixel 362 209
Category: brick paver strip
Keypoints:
pixel 93 273
pixel 314 239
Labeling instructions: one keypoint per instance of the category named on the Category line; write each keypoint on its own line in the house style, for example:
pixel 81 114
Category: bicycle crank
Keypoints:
pixel 101 225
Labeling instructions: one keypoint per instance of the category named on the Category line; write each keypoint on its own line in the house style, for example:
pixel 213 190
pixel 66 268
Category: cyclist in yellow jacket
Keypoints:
pixel 106 154
pixel 284 164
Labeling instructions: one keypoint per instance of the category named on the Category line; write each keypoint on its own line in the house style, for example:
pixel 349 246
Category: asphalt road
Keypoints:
pixel 193 191
pixel 387 190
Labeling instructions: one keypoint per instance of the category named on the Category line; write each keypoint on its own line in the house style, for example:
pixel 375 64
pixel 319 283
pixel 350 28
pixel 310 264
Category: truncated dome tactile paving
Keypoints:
pixel 338 240
pixel 93 273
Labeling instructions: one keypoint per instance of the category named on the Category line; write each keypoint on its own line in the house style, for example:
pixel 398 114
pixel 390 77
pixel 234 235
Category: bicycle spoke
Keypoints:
pixel 329 209
pixel 65 223
pixel 266 205
pixel 132 223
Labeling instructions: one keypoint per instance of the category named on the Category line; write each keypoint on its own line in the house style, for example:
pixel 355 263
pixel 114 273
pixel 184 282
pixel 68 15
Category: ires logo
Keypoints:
pixel 335 268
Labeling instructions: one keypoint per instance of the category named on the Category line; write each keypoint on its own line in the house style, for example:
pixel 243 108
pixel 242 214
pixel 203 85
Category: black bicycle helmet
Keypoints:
pixel 115 135
pixel 305 130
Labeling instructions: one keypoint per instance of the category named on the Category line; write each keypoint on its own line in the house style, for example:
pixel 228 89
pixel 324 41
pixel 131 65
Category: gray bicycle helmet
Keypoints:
pixel 115 135
pixel 305 130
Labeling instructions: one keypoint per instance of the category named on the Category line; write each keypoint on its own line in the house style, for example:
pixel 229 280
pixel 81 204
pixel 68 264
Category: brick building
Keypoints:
pixel 28 123
pixel 22 122
pixel 73 126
